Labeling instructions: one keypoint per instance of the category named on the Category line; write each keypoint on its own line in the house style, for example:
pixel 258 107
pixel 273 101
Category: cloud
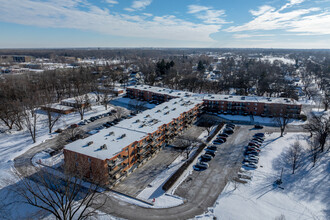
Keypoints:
pixel 309 20
pixel 78 15
pixel 252 35
pixel 207 14
pixel 139 5
pixel 112 2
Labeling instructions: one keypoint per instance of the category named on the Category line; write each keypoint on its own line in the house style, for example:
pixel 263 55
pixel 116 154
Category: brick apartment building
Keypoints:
pixel 114 153
pixel 223 104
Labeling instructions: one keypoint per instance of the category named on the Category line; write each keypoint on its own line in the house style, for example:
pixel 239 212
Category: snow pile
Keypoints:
pixel 304 195
pixel 44 158
pixel 155 193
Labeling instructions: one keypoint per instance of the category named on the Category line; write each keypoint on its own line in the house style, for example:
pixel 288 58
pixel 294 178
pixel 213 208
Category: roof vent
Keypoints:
pixel 173 109
pixel 90 143
pixel 122 136
pixel 111 133
pixel 104 147
pixel 137 120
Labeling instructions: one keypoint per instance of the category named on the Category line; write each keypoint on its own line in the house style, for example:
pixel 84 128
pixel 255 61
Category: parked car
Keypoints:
pixel 251 165
pixel 230 126
pixel 205 158
pixel 221 138
pixel 74 126
pixel 218 142
pixel 113 111
pixel 223 135
pixel 254 144
pixel 252 157
pixel 257 140
pixel 209 150
pixel 250 160
pixel 262 135
pixel 211 153
pixel 228 131
pixel 201 166
pixel 212 147
pixel 252 152
pixel 257 126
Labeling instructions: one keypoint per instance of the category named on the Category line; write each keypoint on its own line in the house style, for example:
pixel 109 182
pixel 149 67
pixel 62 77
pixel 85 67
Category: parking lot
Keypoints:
pixel 223 167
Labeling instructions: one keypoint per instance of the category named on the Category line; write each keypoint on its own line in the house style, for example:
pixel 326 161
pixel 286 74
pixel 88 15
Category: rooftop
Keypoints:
pixel 215 97
pixel 130 130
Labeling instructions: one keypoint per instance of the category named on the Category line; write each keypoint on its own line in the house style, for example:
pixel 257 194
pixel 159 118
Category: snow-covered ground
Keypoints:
pixel 14 143
pixel 259 119
pixel 303 195
pixel 285 60
pixel 155 192
pixel 44 158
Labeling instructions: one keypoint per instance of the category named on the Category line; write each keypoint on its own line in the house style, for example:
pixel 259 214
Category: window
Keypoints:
pixel 89 160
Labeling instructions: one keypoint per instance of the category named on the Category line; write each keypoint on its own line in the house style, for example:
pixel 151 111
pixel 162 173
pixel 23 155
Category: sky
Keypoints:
pixel 300 24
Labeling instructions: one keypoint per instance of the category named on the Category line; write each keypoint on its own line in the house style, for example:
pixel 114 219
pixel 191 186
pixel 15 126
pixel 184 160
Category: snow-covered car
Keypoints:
pixel 252 152
pixel 257 140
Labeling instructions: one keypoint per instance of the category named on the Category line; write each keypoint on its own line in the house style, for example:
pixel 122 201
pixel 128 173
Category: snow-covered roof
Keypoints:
pixel 165 91
pixel 215 97
pixel 59 106
pixel 254 99
pixel 133 129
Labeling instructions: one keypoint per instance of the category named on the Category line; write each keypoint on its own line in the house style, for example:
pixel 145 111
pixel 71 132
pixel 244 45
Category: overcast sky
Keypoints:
pixel 165 23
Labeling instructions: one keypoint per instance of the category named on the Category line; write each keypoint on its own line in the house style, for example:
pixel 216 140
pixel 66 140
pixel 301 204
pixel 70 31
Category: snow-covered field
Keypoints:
pixel 15 143
pixel 303 195
pixel 285 60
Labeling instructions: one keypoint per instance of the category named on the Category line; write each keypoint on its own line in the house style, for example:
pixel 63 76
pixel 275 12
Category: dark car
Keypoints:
pixel 253 152
pixel 223 135
pixel 212 147
pixel 205 158
pixel 201 166
pixel 211 153
pixel 228 131
pixel 74 126
pixel 254 144
pixel 259 135
pixel 257 140
pixel 230 126
pixel 218 142
pixel 258 126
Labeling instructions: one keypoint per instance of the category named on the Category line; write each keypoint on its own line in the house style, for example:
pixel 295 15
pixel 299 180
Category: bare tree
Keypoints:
pixel 295 155
pixel 120 112
pixel 326 100
pixel 282 122
pixel 186 144
pixel 137 105
pixel 314 150
pixel 320 126
pixel 63 196
pixel 82 104
pixel 207 124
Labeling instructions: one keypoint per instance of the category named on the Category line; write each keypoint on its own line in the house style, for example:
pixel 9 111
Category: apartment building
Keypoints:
pixel 224 104
pixel 114 153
